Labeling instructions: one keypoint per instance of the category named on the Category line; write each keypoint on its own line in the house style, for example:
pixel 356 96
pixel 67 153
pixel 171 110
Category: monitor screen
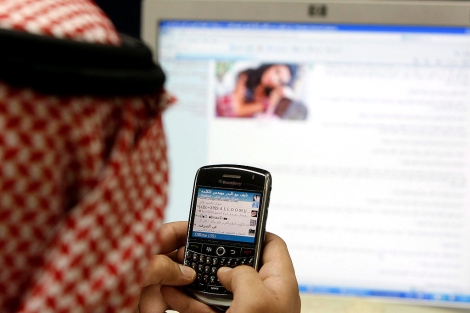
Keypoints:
pixel 365 130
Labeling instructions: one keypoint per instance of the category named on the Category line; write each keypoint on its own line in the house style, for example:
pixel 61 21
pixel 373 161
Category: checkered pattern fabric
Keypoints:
pixel 82 187
pixel 79 20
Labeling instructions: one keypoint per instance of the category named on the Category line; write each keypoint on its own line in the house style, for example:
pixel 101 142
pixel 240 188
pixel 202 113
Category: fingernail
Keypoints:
pixel 187 271
pixel 225 269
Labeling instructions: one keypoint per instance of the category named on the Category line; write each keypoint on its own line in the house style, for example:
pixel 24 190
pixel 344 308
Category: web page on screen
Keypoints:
pixel 366 135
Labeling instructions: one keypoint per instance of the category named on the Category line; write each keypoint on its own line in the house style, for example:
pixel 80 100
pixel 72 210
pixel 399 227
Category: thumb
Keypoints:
pixel 241 279
pixel 163 271
pixel 249 291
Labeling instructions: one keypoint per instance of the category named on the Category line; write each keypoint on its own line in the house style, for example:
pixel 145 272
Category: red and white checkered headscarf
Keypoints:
pixel 82 180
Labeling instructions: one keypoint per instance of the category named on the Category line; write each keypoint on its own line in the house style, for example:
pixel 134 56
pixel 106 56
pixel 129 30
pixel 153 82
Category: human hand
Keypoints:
pixel 273 289
pixel 163 270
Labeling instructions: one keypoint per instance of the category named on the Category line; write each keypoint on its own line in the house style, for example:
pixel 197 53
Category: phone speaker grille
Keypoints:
pixel 231 176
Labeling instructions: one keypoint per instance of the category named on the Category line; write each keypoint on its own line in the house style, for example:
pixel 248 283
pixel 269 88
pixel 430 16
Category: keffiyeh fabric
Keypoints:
pixel 82 181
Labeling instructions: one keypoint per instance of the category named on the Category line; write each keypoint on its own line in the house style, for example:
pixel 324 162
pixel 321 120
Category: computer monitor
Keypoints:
pixel 361 112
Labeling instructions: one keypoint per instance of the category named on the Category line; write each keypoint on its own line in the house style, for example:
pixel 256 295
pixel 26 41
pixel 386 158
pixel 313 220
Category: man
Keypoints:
pixel 84 174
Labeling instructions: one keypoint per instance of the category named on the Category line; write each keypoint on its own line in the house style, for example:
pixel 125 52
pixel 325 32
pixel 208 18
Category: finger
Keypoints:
pixel 240 279
pixel 276 258
pixel 250 294
pixel 183 303
pixel 180 255
pixel 151 300
pixel 173 256
pixel 173 236
pixel 177 255
pixel 277 271
pixel 162 270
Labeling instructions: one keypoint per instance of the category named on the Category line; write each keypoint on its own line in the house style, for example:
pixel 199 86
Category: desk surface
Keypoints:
pixel 325 304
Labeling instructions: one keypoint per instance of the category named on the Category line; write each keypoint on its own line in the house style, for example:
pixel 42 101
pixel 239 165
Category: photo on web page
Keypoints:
pixel 260 90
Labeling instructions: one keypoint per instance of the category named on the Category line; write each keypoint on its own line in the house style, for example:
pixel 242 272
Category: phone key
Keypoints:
pixel 247 252
pixel 198 278
pixel 222 262
pixel 209 249
pixel 233 251
pixel 216 289
pixel 195 257
pixel 250 262
pixel 242 261
pixel 212 280
pixel 208 260
pixel 201 259
pixel 215 261
pixel 188 255
pixel 195 247
pixel 205 278
pixel 200 286
pixel 235 262
pixel 200 268
pixel 194 266
pixel 228 263
pixel 214 270
pixel 207 269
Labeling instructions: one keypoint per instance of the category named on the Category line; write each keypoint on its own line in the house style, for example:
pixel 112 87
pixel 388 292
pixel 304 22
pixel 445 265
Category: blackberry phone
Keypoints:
pixel 226 227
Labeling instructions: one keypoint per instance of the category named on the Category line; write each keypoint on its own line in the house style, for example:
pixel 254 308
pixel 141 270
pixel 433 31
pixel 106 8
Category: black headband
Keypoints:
pixel 66 67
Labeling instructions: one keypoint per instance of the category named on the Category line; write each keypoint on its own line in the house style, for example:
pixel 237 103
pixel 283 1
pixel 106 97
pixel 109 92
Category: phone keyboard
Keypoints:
pixel 206 259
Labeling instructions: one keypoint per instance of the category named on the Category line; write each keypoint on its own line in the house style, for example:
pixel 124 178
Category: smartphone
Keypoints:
pixel 227 222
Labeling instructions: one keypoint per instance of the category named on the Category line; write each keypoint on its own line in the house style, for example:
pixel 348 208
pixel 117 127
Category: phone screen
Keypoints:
pixel 226 215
